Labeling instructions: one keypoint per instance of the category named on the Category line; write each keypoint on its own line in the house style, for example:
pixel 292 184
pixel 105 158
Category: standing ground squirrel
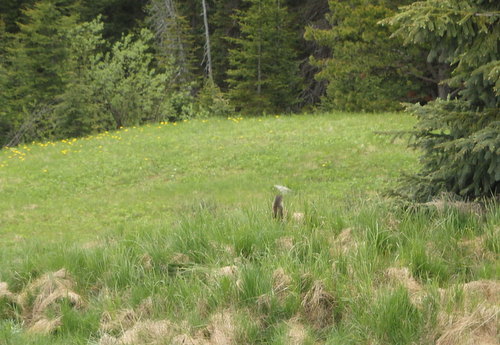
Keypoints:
pixel 278 206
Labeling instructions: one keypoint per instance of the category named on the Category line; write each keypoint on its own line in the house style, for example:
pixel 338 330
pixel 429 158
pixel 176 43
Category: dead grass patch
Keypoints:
pixel 5 293
pixel 441 205
pixel 227 271
pixel 479 327
pixel 222 329
pixel 45 326
pixel 475 322
pixel 146 332
pixel 318 305
pixel 297 333
pixel 44 294
pixel 343 242
pixel 488 290
pixel 285 243
pixel 281 283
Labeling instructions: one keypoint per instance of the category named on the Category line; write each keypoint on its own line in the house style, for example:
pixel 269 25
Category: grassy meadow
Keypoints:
pixel 163 234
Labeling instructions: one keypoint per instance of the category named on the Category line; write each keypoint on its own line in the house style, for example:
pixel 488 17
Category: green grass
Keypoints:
pixel 139 178
pixel 154 213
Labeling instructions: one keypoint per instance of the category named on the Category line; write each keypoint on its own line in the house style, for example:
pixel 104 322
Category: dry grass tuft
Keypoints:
pixel 281 283
pixel 298 217
pixel 45 326
pixel 143 333
pixel 285 243
pixel 227 271
pixel 402 276
pixel 483 289
pixel 5 293
pixel 46 293
pixel 297 333
pixel 343 243
pixel 180 259
pixel 222 330
pixel 479 327
pixel 441 205
pixel 318 305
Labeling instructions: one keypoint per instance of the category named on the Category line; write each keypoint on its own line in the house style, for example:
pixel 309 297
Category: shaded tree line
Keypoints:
pixel 69 68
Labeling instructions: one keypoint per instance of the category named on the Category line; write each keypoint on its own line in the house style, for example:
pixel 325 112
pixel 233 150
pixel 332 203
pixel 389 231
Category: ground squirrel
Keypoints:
pixel 278 206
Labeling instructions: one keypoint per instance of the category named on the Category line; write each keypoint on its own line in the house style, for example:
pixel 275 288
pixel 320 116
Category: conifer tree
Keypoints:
pixel 35 62
pixel 172 36
pixel 463 34
pixel 366 71
pixel 459 139
pixel 264 72
pixel 5 120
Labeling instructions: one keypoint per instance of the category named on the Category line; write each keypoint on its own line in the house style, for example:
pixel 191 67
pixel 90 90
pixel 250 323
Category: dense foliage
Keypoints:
pixel 365 71
pixel 62 76
pixel 115 89
pixel 460 140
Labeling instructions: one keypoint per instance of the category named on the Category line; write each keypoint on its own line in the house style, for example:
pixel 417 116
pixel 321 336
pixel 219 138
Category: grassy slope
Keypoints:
pixel 155 212
pixel 145 176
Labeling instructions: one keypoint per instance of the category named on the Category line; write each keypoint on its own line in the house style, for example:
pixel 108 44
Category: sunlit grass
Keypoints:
pixel 136 177
pixel 173 222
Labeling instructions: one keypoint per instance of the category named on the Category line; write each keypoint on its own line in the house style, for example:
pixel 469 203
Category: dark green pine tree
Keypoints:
pixel 459 139
pixel 35 60
pixel 264 76
pixel 4 114
pixel 366 71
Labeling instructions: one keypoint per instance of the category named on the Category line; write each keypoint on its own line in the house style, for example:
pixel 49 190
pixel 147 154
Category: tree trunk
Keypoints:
pixel 439 73
pixel 208 53
pixel 259 53
pixel 443 74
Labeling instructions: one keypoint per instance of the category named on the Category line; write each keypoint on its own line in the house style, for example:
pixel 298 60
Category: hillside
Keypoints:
pixel 163 235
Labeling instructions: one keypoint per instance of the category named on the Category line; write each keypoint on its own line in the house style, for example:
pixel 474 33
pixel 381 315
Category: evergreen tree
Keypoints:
pixel 172 33
pixel 36 63
pixel 464 34
pixel 460 139
pixel 224 26
pixel 366 70
pixel 264 71
pixel 5 120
